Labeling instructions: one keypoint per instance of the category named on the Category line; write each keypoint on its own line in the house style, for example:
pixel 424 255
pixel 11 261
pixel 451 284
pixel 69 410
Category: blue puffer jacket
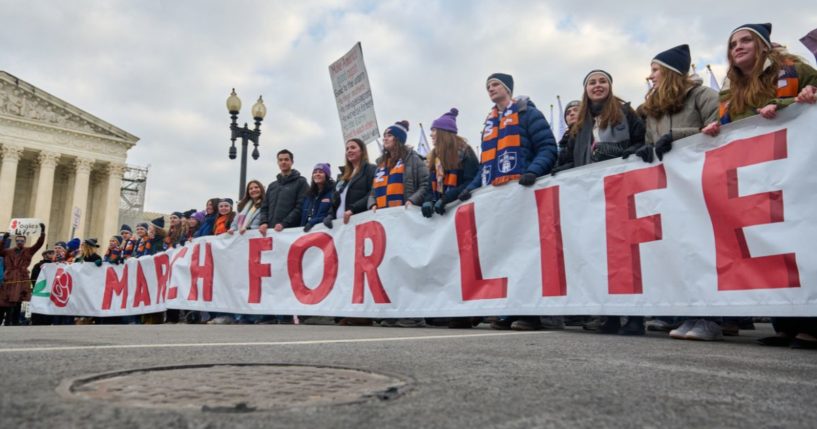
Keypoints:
pixel 314 209
pixel 538 150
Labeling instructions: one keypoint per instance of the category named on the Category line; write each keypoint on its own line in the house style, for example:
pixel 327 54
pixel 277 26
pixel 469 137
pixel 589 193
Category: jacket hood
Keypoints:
pixel 294 175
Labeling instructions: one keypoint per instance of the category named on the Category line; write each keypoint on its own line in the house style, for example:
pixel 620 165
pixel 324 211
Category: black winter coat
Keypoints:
pixel 282 202
pixel 357 195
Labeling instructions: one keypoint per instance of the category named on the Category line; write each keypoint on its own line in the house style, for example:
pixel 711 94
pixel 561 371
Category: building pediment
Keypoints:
pixel 21 101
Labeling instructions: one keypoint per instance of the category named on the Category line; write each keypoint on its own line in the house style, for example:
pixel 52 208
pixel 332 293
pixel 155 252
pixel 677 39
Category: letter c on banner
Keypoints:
pixel 322 241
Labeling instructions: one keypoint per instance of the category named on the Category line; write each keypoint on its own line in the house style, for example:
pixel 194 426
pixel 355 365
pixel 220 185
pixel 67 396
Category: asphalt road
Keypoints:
pixel 475 378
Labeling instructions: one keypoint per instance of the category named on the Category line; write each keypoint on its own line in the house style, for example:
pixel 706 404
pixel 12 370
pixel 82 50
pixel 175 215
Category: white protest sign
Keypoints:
pixel 353 95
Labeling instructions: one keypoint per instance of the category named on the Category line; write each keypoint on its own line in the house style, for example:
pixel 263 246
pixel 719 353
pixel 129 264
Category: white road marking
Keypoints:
pixel 264 343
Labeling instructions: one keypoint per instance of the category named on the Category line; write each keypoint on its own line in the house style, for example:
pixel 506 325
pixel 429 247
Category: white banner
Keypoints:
pixel 724 226
pixel 353 95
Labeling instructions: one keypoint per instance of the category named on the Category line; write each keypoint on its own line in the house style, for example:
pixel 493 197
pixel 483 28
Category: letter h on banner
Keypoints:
pixel 203 271
pixel 625 231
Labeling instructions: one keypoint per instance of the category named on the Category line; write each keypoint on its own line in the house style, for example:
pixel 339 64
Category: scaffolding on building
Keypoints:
pixel 132 194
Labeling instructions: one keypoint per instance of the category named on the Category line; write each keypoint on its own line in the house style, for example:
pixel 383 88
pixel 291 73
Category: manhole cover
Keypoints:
pixel 233 387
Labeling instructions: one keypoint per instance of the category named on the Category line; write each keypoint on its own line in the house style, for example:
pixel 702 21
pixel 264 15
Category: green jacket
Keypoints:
pixel 806 75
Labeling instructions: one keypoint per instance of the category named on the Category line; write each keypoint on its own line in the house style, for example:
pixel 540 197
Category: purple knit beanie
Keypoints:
pixel 199 216
pixel 447 122
pixel 323 166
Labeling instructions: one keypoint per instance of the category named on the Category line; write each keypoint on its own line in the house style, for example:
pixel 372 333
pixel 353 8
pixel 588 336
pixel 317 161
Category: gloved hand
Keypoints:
pixel 98 262
pixel 427 209
pixel 439 207
pixel 663 145
pixel 327 222
pixel 308 227
pixel 42 227
pixel 644 151
pixel 465 195
pixel 527 179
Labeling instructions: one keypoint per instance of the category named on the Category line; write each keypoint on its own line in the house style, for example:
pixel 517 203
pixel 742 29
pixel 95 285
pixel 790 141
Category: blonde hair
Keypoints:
pixel 668 96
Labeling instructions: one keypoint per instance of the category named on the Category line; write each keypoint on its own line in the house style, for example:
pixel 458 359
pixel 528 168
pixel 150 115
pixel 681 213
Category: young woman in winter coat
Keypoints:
pixel 88 252
pixel 452 164
pixel 318 201
pixel 762 78
pixel 248 208
pixel 678 106
pixel 401 178
pixel 177 232
pixel 210 215
pixel 353 185
pixel 606 126
pixel 225 216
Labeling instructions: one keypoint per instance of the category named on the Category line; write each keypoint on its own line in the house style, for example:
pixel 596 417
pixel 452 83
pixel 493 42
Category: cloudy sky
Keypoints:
pixel 162 69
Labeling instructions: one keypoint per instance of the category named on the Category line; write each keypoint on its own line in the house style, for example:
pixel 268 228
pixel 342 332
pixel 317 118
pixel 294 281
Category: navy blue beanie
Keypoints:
pixel 676 59
pixel 125 228
pixel 399 130
pixel 505 79
pixel 762 30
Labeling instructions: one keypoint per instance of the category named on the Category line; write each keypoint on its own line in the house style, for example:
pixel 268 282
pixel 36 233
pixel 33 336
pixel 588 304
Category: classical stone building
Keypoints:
pixel 56 157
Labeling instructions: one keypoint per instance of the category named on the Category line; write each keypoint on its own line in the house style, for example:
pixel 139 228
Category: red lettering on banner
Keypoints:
pixel 322 241
pixel 173 290
pixel 115 285
pixel 161 262
pixel 203 271
pixel 257 270
pixel 474 287
pixel 554 282
pixel 142 295
pixel 366 266
pixel 625 231
pixel 730 213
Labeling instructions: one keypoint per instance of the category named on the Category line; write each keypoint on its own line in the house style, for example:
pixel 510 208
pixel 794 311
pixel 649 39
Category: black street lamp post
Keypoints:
pixel 245 133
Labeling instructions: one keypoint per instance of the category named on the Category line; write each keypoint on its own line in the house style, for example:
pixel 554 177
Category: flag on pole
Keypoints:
pixel 562 123
pixel 551 116
pixel 713 82
pixel 810 41
pixel 423 148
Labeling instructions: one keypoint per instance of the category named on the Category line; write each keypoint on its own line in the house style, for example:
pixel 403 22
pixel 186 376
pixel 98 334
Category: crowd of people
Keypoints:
pixel 517 145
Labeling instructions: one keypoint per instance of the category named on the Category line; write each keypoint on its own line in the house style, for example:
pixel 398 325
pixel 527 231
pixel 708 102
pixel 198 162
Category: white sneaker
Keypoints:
pixel 705 330
pixel 680 332
pixel 221 320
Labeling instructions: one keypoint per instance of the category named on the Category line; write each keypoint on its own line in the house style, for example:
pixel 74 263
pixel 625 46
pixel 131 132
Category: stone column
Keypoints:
pixel 111 221
pixel 45 185
pixel 8 178
pixel 82 175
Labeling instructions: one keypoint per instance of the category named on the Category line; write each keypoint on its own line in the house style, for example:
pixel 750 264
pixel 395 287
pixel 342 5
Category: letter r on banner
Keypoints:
pixel 625 231
pixel 366 266
pixel 474 287
pixel 730 213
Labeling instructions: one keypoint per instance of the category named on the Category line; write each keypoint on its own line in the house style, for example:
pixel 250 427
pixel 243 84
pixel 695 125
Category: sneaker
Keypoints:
pixel 659 325
pixel 552 323
pixel 680 332
pixel 705 330
pixel 410 323
pixel 592 324
pixel 526 324
pixel 610 325
pixel 388 323
pixel 501 324
pixel 634 326
pixel 221 320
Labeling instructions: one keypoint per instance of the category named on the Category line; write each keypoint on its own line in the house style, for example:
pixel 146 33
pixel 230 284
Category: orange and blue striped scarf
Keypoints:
pixel 501 146
pixel 442 180
pixel 388 185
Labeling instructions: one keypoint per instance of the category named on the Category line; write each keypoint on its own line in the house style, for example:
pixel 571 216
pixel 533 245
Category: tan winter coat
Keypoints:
pixel 700 109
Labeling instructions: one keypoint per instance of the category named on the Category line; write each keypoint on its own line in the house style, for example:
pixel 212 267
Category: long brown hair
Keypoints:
pixel 247 197
pixel 213 202
pixel 446 148
pixel 760 86
pixel 349 169
pixel 176 234
pixel 609 116
pixel 669 95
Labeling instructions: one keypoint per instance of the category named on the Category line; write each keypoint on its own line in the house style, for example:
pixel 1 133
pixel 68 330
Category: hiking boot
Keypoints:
pixel 501 324
pixel 634 326
pixel 705 330
pixel 552 323
pixel 680 332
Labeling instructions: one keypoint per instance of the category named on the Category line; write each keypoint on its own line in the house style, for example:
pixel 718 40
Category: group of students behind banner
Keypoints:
pixel 517 145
